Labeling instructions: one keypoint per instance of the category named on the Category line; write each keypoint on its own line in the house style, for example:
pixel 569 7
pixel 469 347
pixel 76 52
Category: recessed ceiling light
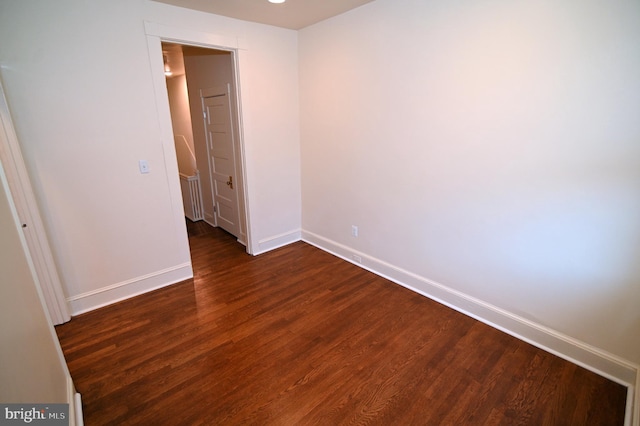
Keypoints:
pixel 276 1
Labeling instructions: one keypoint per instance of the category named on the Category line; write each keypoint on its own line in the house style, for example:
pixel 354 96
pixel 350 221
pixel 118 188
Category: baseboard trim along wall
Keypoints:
pixel 95 299
pixel 77 412
pixel 276 241
pixel 580 353
pixel 75 405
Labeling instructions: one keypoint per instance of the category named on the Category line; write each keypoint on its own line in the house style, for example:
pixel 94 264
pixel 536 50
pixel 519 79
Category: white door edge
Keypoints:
pixel 27 208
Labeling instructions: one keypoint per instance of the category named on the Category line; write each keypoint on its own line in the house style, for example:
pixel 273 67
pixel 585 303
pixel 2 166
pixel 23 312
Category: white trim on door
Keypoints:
pixel 32 225
pixel 158 33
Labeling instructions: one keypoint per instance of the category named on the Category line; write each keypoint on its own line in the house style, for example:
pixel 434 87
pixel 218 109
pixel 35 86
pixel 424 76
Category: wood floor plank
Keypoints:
pixel 298 336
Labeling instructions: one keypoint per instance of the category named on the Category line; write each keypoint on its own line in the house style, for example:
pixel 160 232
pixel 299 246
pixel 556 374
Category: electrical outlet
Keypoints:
pixel 354 231
pixel 144 166
pixel 357 258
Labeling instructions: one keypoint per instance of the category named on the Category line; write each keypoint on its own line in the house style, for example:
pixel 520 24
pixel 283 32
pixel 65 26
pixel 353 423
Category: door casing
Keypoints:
pixel 156 34
pixel 32 226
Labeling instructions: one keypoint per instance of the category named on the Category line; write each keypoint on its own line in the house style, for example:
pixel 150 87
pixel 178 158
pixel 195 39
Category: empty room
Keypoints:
pixel 430 212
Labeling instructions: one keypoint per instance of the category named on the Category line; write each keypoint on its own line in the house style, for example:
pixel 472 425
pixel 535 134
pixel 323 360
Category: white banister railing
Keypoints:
pixel 192 196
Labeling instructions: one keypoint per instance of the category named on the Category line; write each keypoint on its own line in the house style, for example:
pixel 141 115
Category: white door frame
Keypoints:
pixel 24 199
pixel 156 34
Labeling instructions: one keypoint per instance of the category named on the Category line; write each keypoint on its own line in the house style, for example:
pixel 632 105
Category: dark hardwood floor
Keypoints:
pixel 297 336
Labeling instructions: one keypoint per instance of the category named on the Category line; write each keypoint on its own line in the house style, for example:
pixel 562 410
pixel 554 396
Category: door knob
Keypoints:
pixel 230 182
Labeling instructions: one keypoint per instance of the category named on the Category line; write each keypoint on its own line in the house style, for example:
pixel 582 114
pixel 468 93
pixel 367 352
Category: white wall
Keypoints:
pixel 492 148
pixel 181 122
pixel 489 147
pixel 78 78
pixel 179 105
pixel 32 367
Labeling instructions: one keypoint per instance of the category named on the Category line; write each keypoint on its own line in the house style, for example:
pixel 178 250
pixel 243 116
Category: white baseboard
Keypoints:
pixel 276 241
pixel 75 405
pixel 95 299
pixel 577 352
pixel 77 412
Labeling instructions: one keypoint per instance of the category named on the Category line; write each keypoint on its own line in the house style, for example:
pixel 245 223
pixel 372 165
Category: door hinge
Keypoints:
pixel 204 115
pixel 215 210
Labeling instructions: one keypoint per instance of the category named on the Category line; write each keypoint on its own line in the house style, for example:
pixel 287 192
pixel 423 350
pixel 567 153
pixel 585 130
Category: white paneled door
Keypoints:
pixel 221 148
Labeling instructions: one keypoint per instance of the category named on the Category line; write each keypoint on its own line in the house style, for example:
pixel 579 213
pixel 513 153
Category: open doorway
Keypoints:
pixel 203 105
